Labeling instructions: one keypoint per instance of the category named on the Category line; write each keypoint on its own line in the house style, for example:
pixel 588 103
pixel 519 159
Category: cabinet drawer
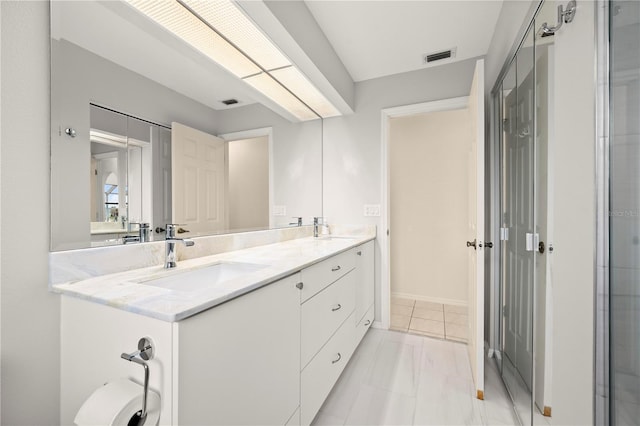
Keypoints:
pixel 364 324
pixel 323 314
pixel 318 378
pixel 318 276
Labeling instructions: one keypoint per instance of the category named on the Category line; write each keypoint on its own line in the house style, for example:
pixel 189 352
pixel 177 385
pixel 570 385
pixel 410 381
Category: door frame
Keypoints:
pixel 257 133
pixel 383 235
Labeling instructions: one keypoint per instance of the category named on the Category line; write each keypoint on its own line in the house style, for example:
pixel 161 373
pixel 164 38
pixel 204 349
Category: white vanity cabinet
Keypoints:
pixel 238 363
pixel 269 357
pixel 364 287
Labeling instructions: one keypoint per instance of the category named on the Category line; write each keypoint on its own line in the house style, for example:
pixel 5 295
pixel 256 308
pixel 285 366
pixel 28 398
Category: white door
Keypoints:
pixel 476 230
pixel 198 180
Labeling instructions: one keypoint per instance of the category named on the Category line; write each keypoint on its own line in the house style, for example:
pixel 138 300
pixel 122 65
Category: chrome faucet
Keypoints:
pixel 298 221
pixel 317 223
pixel 170 242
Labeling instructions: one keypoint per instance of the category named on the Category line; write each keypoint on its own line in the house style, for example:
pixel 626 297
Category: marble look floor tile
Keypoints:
pixel 396 368
pixel 428 314
pixel 400 322
pixel 379 407
pixel 446 400
pixel 456 332
pixel 401 310
pixel 325 419
pixel 402 301
pixel 457 319
pixel 455 309
pixel 427 327
pixel 429 305
pixel 404 338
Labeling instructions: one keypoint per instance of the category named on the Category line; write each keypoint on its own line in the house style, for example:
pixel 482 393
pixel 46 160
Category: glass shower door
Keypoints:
pixel 519 243
pixel 624 213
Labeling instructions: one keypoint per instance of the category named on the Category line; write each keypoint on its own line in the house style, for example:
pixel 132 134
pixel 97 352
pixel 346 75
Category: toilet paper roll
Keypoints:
pixel 116 403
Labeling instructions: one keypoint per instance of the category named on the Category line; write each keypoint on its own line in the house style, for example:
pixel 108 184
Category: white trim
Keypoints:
pixel 441 300
pixel 257 133
pixel 386 114
pixel 378 325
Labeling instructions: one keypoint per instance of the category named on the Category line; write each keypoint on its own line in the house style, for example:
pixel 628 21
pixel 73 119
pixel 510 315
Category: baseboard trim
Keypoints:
pixel 442 300
pixel 480 395
pixel 546 411
pixel 378 325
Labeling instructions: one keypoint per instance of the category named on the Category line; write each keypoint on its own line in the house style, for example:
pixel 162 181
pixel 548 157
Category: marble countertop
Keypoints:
pixel 123 290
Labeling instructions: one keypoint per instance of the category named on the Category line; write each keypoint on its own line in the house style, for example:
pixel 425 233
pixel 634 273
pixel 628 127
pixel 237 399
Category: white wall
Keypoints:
pixel 352 173
pixel 572 278
pixel 429 196
pixel 30 314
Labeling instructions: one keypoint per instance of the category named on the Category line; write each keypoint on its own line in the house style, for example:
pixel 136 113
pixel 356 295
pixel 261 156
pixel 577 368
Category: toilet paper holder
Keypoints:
pixel 144 353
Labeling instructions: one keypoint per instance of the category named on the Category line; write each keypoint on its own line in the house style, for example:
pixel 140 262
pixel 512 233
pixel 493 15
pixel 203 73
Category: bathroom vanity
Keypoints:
pixel 252 336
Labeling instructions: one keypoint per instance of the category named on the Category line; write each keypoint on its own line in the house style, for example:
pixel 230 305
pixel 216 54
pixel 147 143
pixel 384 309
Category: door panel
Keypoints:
pixel 198 180
pixel 476 229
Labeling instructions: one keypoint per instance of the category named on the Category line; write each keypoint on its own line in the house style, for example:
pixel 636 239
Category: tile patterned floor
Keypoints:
pixel 397 378
pixel 448 322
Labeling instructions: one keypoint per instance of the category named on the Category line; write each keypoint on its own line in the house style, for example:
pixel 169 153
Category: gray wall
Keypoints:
pixel 30 314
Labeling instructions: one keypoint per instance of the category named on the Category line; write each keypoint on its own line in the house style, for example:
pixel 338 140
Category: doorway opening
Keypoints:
pixel 431 253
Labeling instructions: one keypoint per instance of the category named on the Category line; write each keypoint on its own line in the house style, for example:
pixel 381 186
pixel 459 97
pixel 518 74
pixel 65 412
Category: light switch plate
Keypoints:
pixel 279 210
pixel 372 209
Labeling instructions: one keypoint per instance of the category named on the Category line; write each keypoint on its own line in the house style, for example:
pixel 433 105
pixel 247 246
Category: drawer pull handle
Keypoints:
pixel 359 253
pixel 299 286
pixel 367 323
pixel 337 268
pixel 336 308
pixel 338 359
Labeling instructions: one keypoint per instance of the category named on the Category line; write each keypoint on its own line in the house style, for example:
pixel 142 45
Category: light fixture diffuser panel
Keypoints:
pixel 265 84
pixel 229 21
pixel 295 81
pixel 179 21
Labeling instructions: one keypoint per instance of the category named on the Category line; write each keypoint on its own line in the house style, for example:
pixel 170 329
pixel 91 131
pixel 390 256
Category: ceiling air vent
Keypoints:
pixel 438 56
pixel 230 101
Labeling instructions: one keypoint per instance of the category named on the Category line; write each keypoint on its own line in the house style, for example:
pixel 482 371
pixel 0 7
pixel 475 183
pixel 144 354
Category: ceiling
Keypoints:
pixel 379 38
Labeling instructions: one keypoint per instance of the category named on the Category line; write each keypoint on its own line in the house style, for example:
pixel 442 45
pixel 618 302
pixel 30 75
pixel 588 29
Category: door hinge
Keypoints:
pixel 504 234
pixel 532 241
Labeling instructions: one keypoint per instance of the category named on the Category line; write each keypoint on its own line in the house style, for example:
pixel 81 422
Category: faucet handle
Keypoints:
pixel 171 229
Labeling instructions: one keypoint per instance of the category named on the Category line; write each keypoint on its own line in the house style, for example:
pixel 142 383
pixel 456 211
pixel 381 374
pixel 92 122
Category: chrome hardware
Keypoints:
pixel 359 253
pixel 472 244
pixel 143 233
pixel 489 244
pixel 145 352
pixel 130 239
pixel 299 286
pixel 541 247
pixel 564 17
pixel 298 221
pixel 70 132
pixel 336 360
pixel 337 268
pixel 337 308
pixel 170 243
pixel 367 323
pixel 316 224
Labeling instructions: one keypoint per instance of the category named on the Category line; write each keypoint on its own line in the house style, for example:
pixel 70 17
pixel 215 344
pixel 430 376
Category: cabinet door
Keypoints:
pixel 365 279
pixel 239 363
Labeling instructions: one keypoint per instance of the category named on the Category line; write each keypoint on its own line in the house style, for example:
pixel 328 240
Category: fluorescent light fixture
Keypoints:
pixel 221 31
pixel 274 91
pixel 225 17
pixel 179 21
pixel 295 81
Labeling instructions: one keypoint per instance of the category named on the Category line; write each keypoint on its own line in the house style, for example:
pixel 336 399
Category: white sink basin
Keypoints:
pixel 203 277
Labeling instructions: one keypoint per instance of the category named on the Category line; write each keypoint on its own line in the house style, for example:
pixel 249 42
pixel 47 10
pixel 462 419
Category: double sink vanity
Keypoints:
pixel 257 335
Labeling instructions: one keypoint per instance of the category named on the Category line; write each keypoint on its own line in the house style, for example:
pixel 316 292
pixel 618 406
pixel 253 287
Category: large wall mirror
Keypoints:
pixel 141 134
